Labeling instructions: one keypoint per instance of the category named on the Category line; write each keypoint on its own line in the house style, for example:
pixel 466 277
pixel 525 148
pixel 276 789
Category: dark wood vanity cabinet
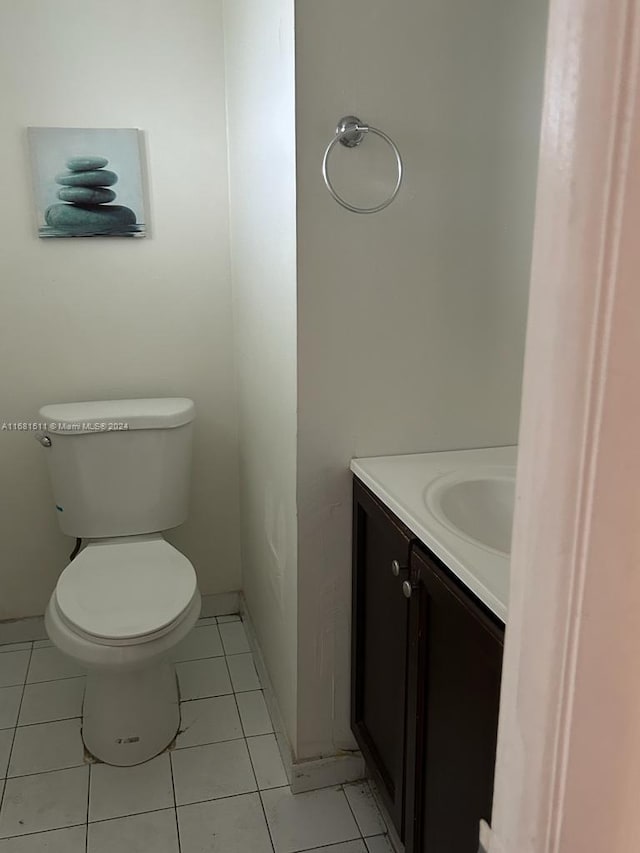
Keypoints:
pixel 453 696
pixel 379 647
pixel 426 668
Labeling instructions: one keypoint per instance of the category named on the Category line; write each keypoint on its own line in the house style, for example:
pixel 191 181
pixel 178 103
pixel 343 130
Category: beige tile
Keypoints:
pixel 121 791
pixel 208 721
pixel 9 706
pixel 6 739
pixel 199 679
pixel 237 824
pixel 13 668
pixel 154 832
pixel 253 713
pixel 201 642
pixel 47 746
pixel 304 821
pixel 244 675
pixel 364 808
pixel 267 763
pixel 234 638
pixel 44 801
pixel 49 663
pixel 52 700
pixel 213 771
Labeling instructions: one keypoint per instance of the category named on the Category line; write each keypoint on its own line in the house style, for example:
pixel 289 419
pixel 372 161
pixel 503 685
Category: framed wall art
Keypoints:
pixel 88 182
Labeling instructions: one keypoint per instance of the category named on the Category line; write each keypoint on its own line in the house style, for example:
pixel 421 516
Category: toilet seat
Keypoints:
pixel 125 592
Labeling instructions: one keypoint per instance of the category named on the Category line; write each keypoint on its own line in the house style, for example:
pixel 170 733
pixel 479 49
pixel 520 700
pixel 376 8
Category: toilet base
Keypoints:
pixel 131 706
pixel 129 717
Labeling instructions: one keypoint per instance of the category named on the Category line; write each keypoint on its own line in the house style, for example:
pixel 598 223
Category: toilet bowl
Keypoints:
pixel 118 610
pixel 120 473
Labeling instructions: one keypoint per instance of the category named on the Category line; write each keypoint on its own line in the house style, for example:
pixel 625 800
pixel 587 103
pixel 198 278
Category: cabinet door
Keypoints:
pixel 379 646
pixel 453 700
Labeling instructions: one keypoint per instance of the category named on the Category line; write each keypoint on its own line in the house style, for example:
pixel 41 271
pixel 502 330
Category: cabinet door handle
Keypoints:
pixel 396 568
pixel 407 589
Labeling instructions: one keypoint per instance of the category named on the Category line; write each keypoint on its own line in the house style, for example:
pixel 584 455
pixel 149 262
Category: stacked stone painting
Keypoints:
pixel 88 182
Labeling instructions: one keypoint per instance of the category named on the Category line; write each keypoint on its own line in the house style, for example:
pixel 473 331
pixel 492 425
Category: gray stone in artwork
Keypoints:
pixel 86 164
pixel 90 178
pixel 87 211
pixel 86 195
pixel 92 218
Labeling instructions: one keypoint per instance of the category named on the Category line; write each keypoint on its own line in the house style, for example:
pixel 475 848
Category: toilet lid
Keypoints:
pixel 126 589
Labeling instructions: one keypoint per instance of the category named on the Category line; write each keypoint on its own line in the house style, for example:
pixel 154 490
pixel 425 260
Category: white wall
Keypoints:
pixel 86 318
pixel 411 322
pixel 261 119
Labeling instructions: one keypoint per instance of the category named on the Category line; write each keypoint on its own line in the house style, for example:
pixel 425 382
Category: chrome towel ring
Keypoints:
pixel 350 132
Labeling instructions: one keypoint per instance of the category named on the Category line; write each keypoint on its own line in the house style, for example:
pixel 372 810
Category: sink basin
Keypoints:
pixel 476 505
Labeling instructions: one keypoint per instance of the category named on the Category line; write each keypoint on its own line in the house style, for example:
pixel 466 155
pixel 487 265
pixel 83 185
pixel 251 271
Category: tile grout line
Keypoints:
pixel 353 814
pixel 40 832
pixel 364 837
pixel 86 830
pixel 51 680
pixel 259 792
pixel 253 768
pixel 386 823
pixel 208 743
pixel 154 811
pixel 15 729
pixel 110 819
pixel 246 738
pixel 264 813
pixel 54 770
pixel 244 734
pixel 47 722
pixel 125 816
pixel 175 801
pixel 255 778
pixel 132 814
pixel 233 692
pixel 334 844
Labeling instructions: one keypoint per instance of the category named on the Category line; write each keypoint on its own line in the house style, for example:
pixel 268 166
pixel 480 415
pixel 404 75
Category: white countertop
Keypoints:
pixel 401 482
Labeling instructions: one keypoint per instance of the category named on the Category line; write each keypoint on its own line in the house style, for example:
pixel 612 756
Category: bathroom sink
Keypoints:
pixel 476 505
pixel 459 504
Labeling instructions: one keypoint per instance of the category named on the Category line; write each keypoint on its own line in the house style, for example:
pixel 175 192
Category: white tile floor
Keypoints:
pixel 221 789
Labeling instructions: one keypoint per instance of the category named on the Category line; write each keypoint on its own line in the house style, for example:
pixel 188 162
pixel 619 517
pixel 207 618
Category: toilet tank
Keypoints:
pixel 119 467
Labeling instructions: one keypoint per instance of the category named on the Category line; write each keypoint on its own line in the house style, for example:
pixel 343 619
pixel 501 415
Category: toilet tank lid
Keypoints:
pixel 107 415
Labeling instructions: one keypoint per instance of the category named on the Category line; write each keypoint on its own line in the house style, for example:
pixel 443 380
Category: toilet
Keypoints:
pixel 120 472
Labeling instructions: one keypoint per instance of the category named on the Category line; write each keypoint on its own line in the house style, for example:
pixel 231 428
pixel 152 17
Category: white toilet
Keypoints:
pixel 120 475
